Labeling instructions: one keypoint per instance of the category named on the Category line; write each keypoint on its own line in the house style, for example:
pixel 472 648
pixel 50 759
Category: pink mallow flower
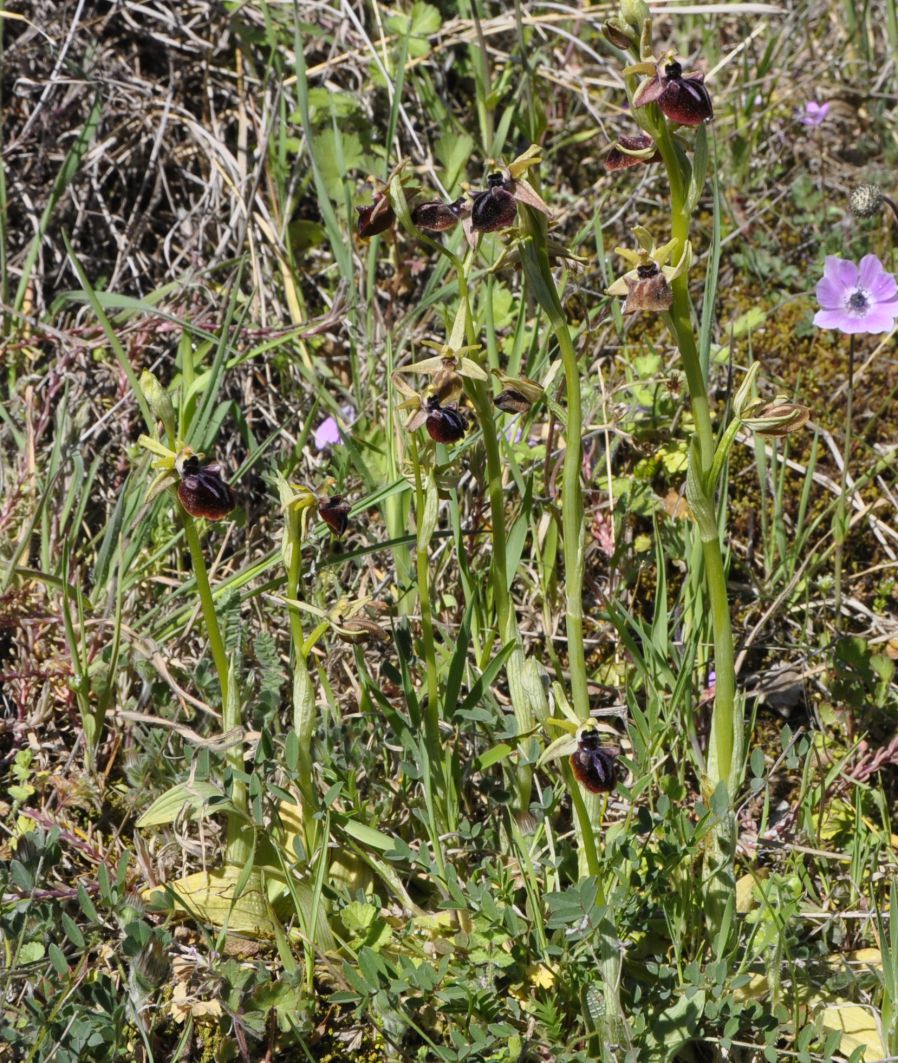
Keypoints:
pixel 856 298
pixel 814 113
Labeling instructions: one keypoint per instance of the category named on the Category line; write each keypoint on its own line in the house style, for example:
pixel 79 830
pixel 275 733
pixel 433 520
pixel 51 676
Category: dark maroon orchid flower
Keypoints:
pixel 594 765
pixel 495 208
pixel 334 511
pixel 436 216
pixel 445 424
pixel 202 492
pixel 621 156
pixel 377 218
pixel 682 98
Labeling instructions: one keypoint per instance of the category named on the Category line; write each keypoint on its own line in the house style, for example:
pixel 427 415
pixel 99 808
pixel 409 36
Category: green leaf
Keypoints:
pixel 453 150
pixel 494 755
pixel 326 153
pixel 190 797
pixel 368 835
pixel 58 960
pixel 72 931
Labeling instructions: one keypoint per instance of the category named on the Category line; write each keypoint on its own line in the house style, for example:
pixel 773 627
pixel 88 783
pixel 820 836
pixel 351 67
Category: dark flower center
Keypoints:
pixel 858 301
pixel 650 269
pixel 495 180
pixel 673 71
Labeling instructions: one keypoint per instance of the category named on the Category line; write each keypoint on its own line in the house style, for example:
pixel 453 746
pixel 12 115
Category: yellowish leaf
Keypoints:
pixel 209 896
pixel 860 1027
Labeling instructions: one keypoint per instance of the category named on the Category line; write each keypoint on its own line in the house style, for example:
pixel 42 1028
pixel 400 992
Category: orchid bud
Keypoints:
pixel 618 33
pixel 158 399
pixel 635 13
pixel 778 419
pixel 436 216
pixel 744 396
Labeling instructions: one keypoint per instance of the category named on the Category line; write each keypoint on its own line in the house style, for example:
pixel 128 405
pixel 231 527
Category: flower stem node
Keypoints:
pixel 681 97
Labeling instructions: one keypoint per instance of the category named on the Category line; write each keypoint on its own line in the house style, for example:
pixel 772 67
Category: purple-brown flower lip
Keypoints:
pixel 334 511
pixel 377 218
pixel 630 151
pixel 202 492
pixel 682 98
pixel 445 424
pixel 494 208
pixel 594 764
pixel 435 216
pixel 649 291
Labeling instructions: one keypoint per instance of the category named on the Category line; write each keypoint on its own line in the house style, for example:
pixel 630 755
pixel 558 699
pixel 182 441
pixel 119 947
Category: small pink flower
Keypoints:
pixel 814 113
pixel 327 434
pixel 856 298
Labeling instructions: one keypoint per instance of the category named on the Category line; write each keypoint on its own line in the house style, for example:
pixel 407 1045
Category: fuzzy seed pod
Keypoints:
pixel 866 200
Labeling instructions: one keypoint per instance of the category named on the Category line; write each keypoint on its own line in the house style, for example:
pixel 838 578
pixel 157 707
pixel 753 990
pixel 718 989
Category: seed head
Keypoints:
pixel 866 200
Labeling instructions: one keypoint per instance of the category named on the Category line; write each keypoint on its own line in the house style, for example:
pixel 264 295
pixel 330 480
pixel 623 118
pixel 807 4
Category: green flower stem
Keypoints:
pixel 207 602
pixel 303 691
pixel 681 326
pixel 238 844
pixel 840 519
pixel 434 775
pixel 479 394
pixel 572 522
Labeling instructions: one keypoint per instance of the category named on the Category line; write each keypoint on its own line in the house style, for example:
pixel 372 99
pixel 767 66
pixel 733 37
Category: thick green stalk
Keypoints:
pixel 304 708
pixel 572 522
pixel 681 325
pixel 207 602
pixel 239 845
pixel 434 774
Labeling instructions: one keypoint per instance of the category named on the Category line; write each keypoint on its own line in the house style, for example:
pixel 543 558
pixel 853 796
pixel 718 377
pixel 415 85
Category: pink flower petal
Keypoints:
pixel 875 279
pixel 830 293
pixel 841 270
pixel 327 434
pixel 879 319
